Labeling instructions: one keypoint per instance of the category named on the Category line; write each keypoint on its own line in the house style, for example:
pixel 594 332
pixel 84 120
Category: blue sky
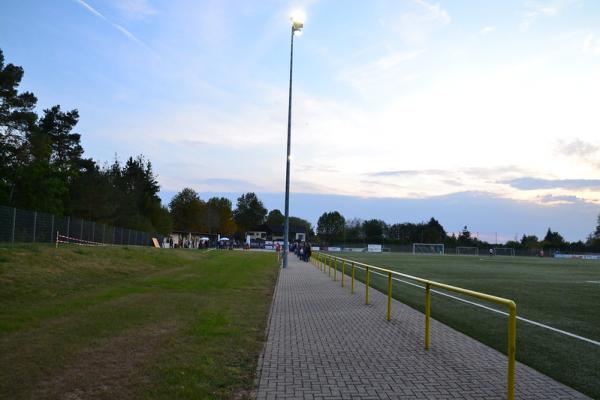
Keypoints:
pixel 467 111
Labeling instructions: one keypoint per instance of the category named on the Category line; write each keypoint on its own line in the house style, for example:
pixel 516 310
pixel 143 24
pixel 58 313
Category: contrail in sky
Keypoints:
pixel 116 26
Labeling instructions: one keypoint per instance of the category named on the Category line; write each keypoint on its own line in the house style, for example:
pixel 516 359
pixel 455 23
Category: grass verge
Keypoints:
pixel 131 323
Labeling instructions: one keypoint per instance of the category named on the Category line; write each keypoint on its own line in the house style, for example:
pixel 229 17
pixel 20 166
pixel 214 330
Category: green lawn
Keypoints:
pixel 550 291
pixel 131 323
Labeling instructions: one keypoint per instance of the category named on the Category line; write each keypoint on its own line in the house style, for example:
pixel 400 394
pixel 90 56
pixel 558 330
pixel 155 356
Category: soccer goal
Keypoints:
pixel 428 248
pixel 504 251
pixel 467 251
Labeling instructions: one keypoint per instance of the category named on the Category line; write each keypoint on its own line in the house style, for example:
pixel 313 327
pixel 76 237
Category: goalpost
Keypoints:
pixel 428 248
pixel 467 251
pixel 504 251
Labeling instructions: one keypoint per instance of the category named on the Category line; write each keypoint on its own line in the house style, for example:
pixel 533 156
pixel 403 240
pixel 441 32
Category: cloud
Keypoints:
pixel 408 172
pixel 437 13
pixel 549 198
pixel 487 29
pixel 529 183
pixel 382 72
pixel 580 150
pixel 135 9
pixel 118 27
pixel 591 44
pixel 543 8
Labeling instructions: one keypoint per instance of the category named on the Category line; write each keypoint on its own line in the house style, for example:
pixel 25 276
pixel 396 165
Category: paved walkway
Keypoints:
pixel 324 343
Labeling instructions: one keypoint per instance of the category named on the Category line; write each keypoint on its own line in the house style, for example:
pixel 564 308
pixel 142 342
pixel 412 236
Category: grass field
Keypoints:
pixel 131 323
pixel 550 291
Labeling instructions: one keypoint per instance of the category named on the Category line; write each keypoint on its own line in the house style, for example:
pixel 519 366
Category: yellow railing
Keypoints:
pixel 327 262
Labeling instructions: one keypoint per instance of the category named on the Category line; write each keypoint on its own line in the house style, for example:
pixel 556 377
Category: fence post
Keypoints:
pixel 343 271
pixel 93 231
pixel 512 349
pixel 52 230
pixel 389 297
pixel 68 226
pixel 103 233
pixel 427 313
pixel 334 269
pixel 81 232
pixel 367 287
pixel 13 224
pixel 352 291
pixel 34 224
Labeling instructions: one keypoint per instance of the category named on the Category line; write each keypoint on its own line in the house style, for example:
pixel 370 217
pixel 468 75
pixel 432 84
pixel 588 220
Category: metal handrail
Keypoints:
pixel 326 261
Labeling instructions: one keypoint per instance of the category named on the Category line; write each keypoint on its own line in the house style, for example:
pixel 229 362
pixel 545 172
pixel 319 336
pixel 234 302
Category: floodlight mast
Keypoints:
pixel 297 19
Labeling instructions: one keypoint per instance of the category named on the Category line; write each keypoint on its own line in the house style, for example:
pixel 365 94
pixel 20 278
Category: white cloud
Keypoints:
pixel 537 9
pixel 385 72
pixel 591 44
pixel 415 27
pixel 487 29
pixel 135 9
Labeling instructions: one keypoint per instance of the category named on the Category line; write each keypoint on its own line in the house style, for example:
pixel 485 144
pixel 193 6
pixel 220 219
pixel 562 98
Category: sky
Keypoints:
pixel 482 113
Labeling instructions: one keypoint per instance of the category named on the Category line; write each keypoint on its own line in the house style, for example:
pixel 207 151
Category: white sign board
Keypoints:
pixel 315 248
pixel 334 249
pixel 374 248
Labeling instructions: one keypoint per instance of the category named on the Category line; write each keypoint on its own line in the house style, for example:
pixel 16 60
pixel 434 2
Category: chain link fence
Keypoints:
pixel 23 226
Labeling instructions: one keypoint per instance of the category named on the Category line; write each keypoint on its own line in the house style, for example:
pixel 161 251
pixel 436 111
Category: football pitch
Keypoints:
pixel 562 294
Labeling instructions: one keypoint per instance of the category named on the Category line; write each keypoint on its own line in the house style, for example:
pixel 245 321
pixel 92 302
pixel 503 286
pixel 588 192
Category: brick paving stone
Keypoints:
pixel 325 343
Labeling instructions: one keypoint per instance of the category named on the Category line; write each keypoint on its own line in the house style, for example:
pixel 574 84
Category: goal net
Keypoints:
pixel 467 251
pixel 428 248
pixel 504 251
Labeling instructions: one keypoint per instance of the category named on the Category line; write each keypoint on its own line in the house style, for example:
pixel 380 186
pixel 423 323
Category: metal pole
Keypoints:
pixel 427 313
pixel 52 230
pixel 286 227
pixel 512 349
pixel 68 226
pixel 389 297
pixel 367 287
pixel 343 271
pixel 352 291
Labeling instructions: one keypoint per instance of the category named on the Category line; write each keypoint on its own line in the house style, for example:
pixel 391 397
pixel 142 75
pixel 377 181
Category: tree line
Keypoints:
pixel 334 228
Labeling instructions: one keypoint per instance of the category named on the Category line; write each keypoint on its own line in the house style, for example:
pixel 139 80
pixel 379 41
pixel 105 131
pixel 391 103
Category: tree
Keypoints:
pixel 554 240
pixel 330 226
pixel 296 221
pixel 16 119
pixel 275 217
pixel 354 230
pixel 186 211
pixel 465 237
pixel 596 234
pixel 529 242
pixel 249 213
pixel 374 230
pixel 218 216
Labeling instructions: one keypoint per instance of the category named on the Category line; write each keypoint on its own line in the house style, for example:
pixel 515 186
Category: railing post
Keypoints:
pixel 343 271
pixel 334 269
pixel 389 299
pixel 427 313
pixel 512 349
pixel 367 287
pixel 329 267
pixel 352 290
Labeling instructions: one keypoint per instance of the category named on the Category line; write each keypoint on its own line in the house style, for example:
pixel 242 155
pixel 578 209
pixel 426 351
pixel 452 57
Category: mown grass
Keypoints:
pixel 551 291
pixel 131 322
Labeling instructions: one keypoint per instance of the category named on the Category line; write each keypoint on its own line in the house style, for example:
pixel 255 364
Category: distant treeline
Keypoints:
pixel 333 228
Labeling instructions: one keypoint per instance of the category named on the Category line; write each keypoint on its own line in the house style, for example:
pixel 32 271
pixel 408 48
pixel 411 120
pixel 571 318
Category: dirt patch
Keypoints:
pixel 114 369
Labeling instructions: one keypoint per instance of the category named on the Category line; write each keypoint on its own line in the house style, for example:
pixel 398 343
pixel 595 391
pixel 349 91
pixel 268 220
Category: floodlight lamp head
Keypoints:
pixel 298 17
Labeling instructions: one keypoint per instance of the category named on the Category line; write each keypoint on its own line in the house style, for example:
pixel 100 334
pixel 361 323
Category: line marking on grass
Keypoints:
pixel 593 281
pixel 529 321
